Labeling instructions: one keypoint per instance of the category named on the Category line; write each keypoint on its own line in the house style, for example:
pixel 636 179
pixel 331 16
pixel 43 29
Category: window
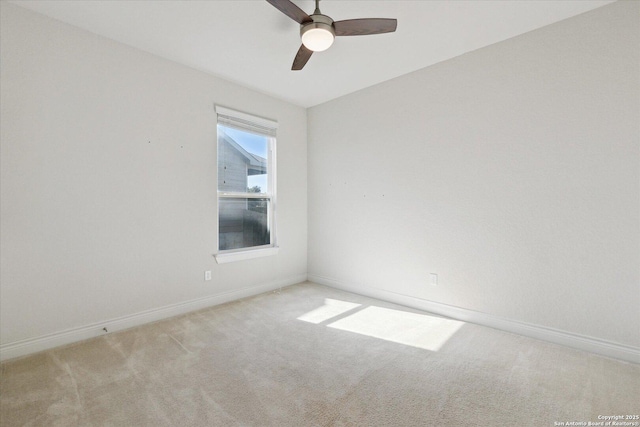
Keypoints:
pixel 246 186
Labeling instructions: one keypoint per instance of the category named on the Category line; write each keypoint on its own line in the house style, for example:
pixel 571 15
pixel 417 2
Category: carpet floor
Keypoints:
pixel 310 355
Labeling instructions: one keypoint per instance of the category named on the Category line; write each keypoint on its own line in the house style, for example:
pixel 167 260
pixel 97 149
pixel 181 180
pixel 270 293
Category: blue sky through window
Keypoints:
pixel 255 144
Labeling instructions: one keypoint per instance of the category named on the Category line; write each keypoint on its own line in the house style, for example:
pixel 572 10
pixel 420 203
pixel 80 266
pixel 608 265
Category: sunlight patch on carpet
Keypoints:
pixel 330 309
pixel 413 329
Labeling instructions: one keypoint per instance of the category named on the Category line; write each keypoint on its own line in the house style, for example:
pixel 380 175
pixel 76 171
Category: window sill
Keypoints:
pixel 244 255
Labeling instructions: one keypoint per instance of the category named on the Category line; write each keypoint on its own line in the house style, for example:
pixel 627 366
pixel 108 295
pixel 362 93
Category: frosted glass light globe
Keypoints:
pixel 317 39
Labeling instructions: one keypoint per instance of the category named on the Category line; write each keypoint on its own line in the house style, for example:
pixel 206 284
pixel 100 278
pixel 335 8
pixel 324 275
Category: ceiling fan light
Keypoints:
pixel 317 36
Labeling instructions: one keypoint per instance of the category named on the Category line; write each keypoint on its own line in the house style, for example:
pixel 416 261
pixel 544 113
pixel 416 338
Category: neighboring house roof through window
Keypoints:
pixel 258 165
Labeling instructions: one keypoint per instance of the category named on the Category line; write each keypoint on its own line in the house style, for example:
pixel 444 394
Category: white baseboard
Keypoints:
pixel 45 342
pixel 581 342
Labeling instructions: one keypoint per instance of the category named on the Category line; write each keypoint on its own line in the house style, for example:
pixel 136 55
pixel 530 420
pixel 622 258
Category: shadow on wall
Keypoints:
pixel 401 327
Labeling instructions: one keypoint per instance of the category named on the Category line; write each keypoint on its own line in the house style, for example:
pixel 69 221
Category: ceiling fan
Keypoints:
pixel 318 31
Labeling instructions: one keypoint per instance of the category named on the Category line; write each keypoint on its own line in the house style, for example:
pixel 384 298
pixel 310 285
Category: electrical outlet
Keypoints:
pixel 433 279
pixel 207 275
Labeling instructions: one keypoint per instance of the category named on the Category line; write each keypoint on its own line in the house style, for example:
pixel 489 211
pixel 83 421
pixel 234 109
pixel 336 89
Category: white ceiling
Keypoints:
pixel 251 43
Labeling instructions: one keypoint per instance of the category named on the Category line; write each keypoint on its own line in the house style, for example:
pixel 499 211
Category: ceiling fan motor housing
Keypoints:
pixel 321 27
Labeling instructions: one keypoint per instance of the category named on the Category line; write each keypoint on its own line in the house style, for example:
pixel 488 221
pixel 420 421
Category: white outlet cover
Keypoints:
pixel 433 278
pixel 207 275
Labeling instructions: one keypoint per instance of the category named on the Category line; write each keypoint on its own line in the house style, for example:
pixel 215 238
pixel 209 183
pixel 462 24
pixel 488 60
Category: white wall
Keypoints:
pixel 109 185
pixel 512 172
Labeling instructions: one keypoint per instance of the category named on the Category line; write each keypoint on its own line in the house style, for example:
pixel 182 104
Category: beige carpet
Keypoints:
pixel 314 356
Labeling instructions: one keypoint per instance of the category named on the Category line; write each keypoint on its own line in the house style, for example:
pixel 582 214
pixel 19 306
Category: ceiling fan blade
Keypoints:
pixel 363 27
pixel 291 10
pixel 301 59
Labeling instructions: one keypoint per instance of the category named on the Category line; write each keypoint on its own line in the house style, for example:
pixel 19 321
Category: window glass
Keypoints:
pixel 243 223
pixel 246 183
pixel 242 161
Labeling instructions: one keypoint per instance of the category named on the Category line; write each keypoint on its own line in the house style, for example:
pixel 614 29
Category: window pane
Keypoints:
pixel 242 161
pixel 243 223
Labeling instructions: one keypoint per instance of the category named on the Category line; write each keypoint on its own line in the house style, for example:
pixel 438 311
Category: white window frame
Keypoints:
pixel 262 126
